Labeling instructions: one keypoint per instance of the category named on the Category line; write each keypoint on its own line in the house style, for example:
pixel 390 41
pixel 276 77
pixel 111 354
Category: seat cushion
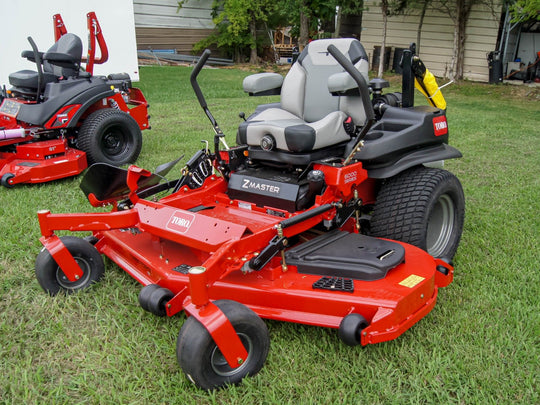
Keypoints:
pixel 291 133
pixel 29 79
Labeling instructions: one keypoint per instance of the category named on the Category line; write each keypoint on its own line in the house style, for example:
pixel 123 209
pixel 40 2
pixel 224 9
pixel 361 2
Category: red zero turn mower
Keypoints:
pixel 56 121
pixel 324 214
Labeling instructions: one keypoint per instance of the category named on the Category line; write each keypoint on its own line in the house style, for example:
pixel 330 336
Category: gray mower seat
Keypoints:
pixel 68 47
pixel 308 118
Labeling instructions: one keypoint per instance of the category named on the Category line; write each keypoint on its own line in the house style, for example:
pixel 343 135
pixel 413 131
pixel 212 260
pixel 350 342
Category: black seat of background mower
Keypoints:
pixel 309 119
pixel 68 46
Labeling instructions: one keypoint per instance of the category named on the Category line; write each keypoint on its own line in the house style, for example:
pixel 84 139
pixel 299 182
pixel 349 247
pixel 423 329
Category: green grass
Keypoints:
pixel 480 344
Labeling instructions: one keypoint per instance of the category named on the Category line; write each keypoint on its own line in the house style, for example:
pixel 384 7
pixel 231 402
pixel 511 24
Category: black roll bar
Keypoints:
pixel 364 94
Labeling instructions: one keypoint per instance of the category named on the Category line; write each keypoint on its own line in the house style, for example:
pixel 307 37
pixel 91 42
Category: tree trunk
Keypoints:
pixel 384 8
pixel 453 62
pixel 338 24
pixel 304 30
pixel 462 13
pixel 420 24
pixel 253 51
pixel 462 37
pixel 238 55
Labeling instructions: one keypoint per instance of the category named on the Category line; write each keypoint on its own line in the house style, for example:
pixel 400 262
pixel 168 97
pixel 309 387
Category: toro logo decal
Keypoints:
pixel 440 126
pixel 180 221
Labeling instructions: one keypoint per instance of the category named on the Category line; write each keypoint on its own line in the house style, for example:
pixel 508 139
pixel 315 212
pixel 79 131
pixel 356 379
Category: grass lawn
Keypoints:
pixel 480 344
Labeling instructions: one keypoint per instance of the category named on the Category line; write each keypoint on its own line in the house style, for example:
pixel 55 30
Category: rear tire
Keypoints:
pixel 110 136
pixel 424 207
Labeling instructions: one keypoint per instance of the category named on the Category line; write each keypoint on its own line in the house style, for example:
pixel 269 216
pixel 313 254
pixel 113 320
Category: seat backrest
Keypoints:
pixel 69 44
pixel 305 88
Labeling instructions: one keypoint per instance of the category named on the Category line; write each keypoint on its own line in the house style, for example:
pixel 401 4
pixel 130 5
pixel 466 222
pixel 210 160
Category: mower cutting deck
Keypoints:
pixel 59 119
pixel 242 237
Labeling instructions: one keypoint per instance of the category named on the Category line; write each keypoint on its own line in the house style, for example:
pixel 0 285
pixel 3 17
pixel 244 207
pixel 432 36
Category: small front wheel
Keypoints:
pixel 153 298
pixel 6 180
pixel 53 280
pixel 350 329
pixel 203 362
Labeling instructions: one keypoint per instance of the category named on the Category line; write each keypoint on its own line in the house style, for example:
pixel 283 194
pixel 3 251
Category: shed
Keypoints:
pixel 437 37
pixel 162 24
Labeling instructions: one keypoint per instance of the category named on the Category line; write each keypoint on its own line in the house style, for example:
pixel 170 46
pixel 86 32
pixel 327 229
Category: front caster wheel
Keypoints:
pixel 6 180
pixel 201 359
pixel 53 280
pixel 350 328
pixel 153 298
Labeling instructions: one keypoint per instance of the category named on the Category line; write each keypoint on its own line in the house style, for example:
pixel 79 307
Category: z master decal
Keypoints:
pixel 248 184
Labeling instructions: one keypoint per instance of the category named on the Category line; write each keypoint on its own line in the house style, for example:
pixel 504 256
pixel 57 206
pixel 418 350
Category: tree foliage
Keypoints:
pixel 525 10
pixel 238 21
pixel 318 13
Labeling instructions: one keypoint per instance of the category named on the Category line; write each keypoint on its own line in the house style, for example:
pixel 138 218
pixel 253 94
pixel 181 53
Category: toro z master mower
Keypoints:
pixel 323 214
pixel 59 119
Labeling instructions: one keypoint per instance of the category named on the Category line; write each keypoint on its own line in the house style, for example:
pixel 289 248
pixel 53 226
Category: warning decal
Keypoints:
pixel 412 281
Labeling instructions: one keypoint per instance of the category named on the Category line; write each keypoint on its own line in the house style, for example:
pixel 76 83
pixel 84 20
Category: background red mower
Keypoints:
pixel 281 226
pixel 59 119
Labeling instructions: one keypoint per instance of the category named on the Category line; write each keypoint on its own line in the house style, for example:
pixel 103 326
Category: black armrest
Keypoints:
pixel 30 55
pixel 61 59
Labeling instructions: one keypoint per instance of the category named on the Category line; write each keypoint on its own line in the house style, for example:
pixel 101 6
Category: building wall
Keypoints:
pixel 160 24
pixel 437 38
pixel 34 18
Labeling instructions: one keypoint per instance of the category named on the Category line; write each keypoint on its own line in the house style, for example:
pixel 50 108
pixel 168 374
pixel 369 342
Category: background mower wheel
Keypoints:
pixel 5 180
pixel 350 328
pixel 53 280
pixel 203 362
pixel 424 207
pixel 110 136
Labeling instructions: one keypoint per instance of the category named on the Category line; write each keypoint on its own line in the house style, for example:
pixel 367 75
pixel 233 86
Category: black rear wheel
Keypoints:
pixel 110 136
pixel 424 207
